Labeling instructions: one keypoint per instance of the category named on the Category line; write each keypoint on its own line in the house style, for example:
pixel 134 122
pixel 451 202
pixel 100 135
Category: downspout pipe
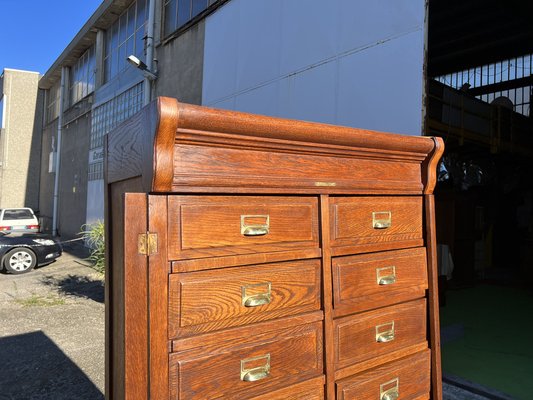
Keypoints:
pixel 58 149
pixel 149 50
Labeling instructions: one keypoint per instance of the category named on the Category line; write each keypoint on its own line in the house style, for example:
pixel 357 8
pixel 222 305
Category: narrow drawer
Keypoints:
pixel 406 379
pixel 373 280
pixel 361 224
pixel 379 332
pixel 214 226
pixel 257 365
pixel 210 300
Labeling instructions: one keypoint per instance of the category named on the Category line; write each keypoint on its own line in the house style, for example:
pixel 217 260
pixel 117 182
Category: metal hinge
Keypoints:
pixel 147 243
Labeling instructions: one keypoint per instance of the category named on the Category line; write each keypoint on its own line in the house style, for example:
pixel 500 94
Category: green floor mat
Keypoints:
pixel 487 333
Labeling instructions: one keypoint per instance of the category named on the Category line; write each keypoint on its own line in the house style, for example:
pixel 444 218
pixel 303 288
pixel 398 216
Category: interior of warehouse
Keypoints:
pixel 478 99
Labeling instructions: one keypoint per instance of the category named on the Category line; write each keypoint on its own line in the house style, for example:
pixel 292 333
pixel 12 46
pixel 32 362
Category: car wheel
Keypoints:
pixel 20 260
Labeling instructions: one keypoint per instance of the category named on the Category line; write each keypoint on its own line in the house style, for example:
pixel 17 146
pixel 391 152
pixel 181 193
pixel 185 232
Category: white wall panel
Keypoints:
pixel 310 95
pixel 375 93
pixel 309 33
pixel 362 23
pixel 221 50
pixel 349 62
pixel 262 100
pixel 259 42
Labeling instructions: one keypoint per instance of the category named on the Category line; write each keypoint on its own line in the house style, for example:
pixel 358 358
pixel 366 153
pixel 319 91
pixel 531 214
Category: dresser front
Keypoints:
pixel 259 258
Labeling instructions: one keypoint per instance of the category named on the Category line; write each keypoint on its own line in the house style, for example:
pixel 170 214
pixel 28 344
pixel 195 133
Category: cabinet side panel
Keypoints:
pixel 117 224
pixel 135 298
pixel 158 299
pixel 433 301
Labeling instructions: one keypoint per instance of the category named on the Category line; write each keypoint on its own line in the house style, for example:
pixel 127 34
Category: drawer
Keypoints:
pixel 363 224
pixel 215 226
pixel 373 280
pixel 309 390
pixel 257 365
pixel 406 379
pixel 379 332
pixel 210 300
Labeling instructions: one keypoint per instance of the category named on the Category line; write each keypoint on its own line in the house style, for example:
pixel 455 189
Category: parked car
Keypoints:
pixel 18 220
pixel 20 252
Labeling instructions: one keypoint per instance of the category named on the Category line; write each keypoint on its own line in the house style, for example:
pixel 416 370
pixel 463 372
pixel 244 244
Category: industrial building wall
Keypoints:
pixel 344 62
pixel 20 158
pixel 46 195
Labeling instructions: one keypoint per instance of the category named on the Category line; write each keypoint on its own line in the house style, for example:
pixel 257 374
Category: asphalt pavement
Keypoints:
pixel 52 331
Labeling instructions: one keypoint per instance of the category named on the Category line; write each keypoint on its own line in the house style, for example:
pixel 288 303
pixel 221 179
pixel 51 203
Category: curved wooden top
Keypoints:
pixel 178 147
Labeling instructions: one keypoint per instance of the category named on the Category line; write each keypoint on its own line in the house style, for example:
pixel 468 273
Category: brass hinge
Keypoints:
pixel 147 243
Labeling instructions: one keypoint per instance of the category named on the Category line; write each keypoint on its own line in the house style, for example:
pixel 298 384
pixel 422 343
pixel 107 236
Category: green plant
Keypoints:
pixel 94 235
pixel 36 300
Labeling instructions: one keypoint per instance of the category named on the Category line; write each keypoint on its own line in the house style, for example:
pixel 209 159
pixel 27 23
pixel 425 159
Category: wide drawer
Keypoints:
pixel 213 226
pixel 379 332
pixel 210 300
pixel 257 365
pixel 362 224
pixel 406 379
pixel 373 280
pixel 312 389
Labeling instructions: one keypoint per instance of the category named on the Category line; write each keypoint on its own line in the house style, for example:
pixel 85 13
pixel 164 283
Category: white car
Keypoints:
pixel 18 220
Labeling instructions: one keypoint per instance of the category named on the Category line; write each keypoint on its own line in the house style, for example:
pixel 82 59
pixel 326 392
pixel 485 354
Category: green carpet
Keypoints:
pixel 491 340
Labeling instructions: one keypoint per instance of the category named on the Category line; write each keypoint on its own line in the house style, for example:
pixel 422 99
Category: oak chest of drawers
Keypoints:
pixel 252 257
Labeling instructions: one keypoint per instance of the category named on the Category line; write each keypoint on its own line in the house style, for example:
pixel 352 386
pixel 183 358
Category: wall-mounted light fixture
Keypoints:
pixel 142 66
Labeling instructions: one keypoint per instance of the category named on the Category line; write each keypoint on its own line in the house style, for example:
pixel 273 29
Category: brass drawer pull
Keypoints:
pixel 251 227
pixel 381 219
pixel 255 368
pixel 386 275
pixel 385 332
pixel 390 390
pixel 257 294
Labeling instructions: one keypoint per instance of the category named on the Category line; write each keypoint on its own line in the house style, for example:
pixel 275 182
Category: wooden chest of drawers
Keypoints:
pixel 251 257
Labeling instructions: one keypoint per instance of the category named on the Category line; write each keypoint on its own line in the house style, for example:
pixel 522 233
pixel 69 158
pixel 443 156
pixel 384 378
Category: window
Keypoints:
pixel 52 106
pixel 2 105
pixel 179 12
pixel 125 37
pixel 107 116
pixel 82 76
pixel 502 71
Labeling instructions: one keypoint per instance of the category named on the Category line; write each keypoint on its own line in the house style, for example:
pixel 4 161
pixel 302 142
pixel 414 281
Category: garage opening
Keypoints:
pixel 479 88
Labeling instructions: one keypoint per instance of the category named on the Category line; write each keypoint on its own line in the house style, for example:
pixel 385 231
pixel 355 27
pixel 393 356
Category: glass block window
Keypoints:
pixel 82 76
pixel 52 102
pixel 107 116
pixel 125 37
pixel 179 12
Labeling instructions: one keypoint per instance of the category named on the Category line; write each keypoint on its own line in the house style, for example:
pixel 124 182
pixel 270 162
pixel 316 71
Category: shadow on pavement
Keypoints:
pixel 33 367
pixel 76 285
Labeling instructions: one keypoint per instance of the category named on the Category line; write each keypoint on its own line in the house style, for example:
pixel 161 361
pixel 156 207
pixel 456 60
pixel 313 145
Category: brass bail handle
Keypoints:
pixel 381 219
pixel 255 368
pixel 250 226
pixel 257 294
pixel 390 390
pixel 386 275
pixel 385 332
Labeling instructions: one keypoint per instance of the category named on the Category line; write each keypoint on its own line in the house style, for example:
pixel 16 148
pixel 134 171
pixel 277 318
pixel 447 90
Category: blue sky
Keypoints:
pixel 34 33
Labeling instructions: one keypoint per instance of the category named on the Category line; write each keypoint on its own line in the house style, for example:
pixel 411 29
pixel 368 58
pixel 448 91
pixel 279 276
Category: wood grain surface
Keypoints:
pixel 355 335
pixel 412 373
pixel 216 373
pixel 209 226
pixel 356 285
pixel 210 300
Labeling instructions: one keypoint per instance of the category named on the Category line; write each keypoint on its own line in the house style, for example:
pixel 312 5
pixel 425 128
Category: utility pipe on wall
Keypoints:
pixel 149 50
pixel 58 149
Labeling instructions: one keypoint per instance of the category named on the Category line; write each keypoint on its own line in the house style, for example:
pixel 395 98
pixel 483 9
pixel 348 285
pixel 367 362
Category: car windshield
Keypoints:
pixel 17 214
